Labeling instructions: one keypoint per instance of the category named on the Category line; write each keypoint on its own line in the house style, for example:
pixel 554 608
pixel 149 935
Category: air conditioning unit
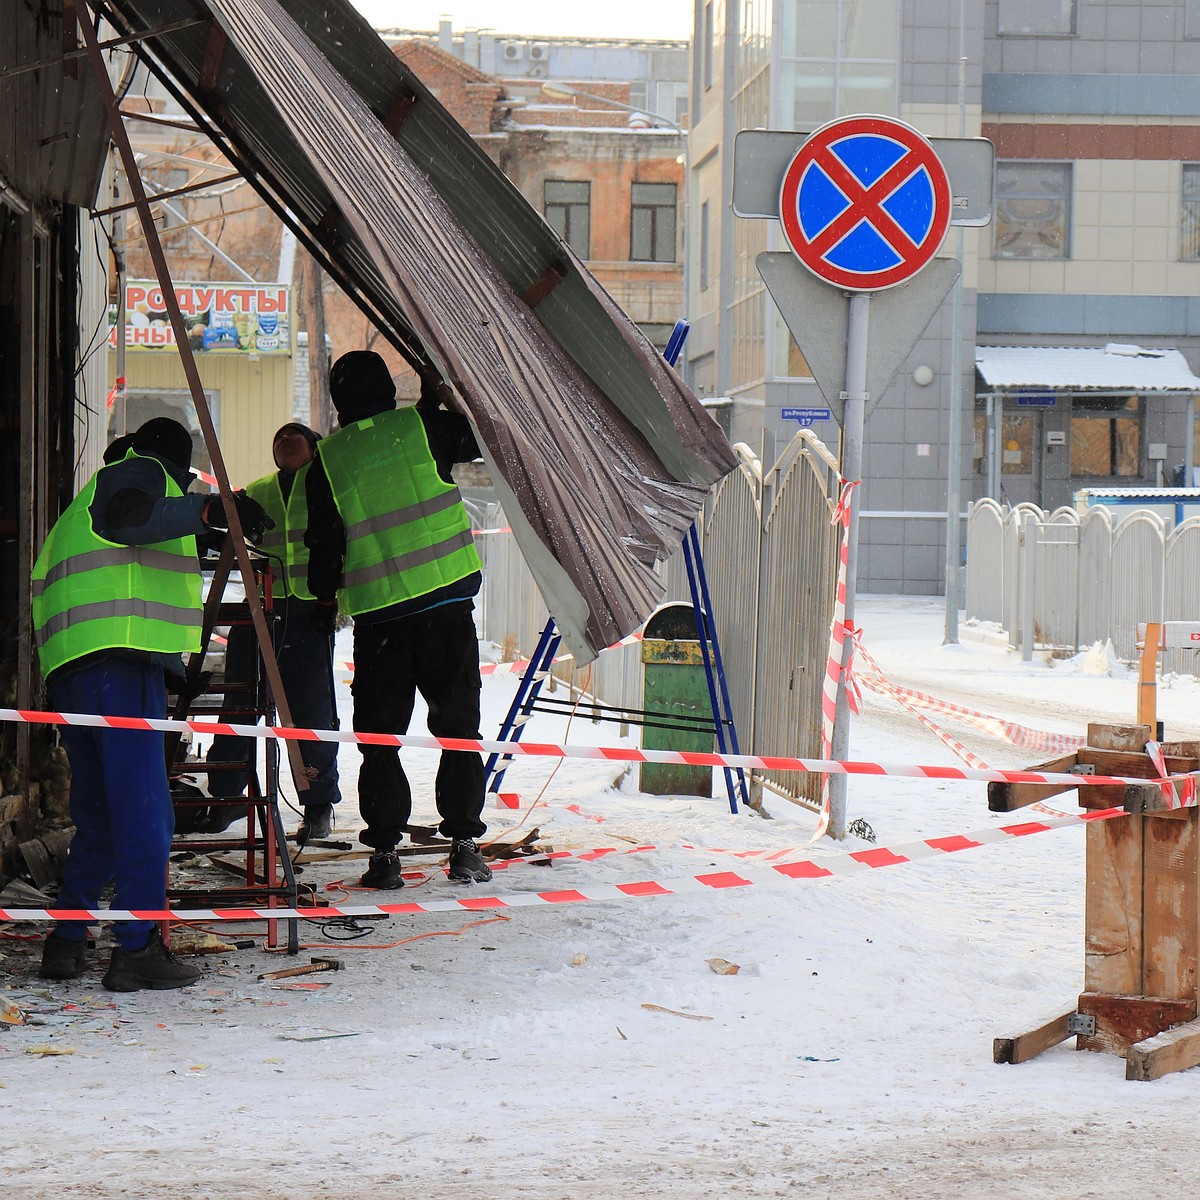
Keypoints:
pixel 513 51
pixel 538 51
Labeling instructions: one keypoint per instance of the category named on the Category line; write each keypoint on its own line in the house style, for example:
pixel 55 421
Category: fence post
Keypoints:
pixel 1029 568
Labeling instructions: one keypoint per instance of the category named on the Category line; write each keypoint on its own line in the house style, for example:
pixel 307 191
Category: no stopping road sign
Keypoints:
pixel 865 203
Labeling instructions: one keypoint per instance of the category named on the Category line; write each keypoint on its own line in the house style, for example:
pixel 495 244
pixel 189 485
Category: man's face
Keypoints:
pixel 291 450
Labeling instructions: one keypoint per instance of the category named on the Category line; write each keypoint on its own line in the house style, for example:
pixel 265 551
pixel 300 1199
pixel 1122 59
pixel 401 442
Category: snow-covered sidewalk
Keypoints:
pixel 591 1050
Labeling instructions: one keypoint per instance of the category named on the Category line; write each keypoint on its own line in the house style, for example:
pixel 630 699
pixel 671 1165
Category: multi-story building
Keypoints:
pixel 1094 111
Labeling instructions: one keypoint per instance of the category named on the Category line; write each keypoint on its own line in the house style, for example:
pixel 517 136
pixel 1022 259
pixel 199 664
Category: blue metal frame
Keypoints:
pixel 518 713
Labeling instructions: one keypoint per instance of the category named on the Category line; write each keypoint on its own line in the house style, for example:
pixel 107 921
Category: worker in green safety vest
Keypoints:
pixel 387 525
pixel 116 602
pixel 304 653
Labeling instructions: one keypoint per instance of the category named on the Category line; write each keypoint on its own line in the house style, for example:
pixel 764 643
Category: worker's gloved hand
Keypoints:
pixel 251 514
pixel 323 617
pixel 253 517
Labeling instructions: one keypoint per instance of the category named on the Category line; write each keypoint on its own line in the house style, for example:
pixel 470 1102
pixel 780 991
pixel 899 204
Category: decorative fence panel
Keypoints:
pixel 770 555
pixel 1093 579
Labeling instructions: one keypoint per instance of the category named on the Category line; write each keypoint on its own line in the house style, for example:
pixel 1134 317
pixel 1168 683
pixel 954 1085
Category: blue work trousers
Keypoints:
pixel 120 800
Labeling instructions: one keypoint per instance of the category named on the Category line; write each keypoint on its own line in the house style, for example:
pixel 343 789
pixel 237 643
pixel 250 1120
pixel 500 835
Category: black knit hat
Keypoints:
pixel 311 436
pixel 360 385
pixel 165 438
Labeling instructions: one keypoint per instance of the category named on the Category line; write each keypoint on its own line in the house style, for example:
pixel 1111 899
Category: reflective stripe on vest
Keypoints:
pixel 90 594
pixel 285 543
pixel 407 532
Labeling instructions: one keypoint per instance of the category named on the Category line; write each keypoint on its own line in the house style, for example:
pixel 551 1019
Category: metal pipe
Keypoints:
pixel 854 399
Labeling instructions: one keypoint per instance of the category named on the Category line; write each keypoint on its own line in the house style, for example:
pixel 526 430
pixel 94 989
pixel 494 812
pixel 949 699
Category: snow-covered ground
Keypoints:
pixel 590 1050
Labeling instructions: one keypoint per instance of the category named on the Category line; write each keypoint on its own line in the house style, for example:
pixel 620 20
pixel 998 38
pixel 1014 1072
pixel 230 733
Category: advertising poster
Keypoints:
pixel 220 318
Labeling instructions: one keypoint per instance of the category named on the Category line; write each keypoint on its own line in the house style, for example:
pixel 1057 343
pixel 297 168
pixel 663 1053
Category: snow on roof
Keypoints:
pixel 1115 367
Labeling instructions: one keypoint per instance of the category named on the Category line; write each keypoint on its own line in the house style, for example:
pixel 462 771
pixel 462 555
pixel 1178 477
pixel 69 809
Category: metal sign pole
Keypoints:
pixel 854 422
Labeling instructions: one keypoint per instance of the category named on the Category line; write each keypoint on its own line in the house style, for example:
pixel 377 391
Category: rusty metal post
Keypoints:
pixel 154 246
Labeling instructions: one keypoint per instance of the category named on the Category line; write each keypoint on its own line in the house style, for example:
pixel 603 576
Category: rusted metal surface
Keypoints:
pixel 601 455
pixel 54 136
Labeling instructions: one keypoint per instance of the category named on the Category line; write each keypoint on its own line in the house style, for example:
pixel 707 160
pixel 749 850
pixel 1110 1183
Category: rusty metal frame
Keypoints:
pixel 249 167
pixel 188 361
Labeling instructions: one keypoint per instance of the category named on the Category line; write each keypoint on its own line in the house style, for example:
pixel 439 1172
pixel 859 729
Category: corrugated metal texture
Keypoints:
pixel 1095 570
pixel 985 561
pixel 1137 578
pixel 733 538
pixel 1181 587
pixel 251 401
pixel 1056 598
pixel 798 577
pixel 605 456
pixel 1114 367
pixel 54 135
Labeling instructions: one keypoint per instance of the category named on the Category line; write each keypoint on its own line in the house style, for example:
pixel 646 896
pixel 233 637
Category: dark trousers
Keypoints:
pixel 306 667
pixel 436 653
pixel 120 800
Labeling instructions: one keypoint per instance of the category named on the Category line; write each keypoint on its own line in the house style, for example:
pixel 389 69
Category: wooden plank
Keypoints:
pixel 1169 905
pixel 1006 797
pixel 1029 1045
pixel 1113 907
pixel 1133 763
pixel 1122 1021
pixel 1175 1050
pixel 1118 737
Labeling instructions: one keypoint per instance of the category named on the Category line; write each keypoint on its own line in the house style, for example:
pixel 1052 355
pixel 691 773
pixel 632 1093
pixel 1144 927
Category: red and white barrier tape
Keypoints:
pixel 817 867
pixel 1008 731
pixel 693 758
pixel 838 632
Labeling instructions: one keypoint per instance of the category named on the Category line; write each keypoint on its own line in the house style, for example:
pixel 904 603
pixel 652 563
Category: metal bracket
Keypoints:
pixel 1081 1024
pixel 1082 769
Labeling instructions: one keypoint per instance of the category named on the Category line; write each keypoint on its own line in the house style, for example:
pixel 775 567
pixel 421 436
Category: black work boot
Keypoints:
pixel 317 822
pixel 466 862
pixel 62 958
pixel 153 966
pixel 383 873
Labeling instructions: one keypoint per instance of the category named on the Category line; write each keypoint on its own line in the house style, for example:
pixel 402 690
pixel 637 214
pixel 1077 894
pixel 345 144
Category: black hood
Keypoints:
pixel 360 385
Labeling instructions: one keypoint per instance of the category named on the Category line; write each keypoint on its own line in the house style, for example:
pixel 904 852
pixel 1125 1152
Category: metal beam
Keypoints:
pixel 188 361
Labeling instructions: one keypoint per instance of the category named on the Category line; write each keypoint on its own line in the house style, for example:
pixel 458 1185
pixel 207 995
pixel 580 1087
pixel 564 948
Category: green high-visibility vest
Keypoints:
pixel 91 594
pixel 407 532
pixel 285 543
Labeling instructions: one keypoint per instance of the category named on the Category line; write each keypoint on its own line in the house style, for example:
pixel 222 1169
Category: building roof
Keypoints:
pixel 600 453
pixel 1117 367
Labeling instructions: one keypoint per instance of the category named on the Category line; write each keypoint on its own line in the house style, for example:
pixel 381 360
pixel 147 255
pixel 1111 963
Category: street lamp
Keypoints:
pixel 564 91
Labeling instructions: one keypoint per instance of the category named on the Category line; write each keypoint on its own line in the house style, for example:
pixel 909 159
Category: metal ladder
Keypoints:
pixel 525 702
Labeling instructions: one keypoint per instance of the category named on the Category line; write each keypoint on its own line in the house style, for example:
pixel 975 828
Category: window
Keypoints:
pixel 1030 18
pixel 1189 232
pixel 1191 18
pixel 704 245
pixel 1033 210
pixel 1106 436
pixel 652 229
pixel 568 207
pixel 837 57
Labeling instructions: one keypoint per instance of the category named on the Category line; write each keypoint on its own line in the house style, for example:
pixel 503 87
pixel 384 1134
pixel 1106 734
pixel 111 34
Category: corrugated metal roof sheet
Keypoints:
pixel 604 455
pixel 54 137
pixel 1116 367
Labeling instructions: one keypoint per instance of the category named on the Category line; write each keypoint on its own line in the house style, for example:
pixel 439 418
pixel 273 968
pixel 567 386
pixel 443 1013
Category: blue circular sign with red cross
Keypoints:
pixel 865 203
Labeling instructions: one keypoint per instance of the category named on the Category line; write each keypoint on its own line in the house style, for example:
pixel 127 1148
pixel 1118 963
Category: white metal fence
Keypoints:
pixel 770 554
pixel 1062 581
